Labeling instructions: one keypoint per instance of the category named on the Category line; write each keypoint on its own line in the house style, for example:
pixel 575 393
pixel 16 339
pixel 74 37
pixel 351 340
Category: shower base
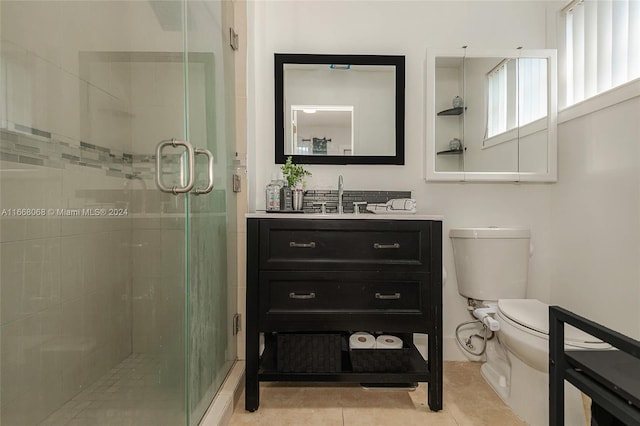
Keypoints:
pixel 132 393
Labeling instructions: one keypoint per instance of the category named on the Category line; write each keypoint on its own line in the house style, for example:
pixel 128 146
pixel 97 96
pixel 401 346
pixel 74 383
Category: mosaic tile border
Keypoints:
pixel 27 145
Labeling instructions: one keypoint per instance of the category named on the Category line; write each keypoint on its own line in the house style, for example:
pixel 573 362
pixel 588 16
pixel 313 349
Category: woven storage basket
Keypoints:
pixel 309 353
pixel 380 360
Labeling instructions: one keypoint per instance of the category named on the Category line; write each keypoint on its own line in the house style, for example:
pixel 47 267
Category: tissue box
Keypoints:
pixel 309 353
pixel 381 360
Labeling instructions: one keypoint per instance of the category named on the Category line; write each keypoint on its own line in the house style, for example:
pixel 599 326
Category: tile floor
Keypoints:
pixel 468 400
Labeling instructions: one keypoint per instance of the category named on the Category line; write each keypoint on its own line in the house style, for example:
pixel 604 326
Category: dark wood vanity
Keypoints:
pixel 330 276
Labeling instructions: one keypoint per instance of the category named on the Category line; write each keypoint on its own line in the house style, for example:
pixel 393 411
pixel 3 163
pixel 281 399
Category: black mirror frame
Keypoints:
pixel 284 58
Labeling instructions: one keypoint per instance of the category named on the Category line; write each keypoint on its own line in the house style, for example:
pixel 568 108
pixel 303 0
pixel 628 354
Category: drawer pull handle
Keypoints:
pixel 310 295
pixel 302 245
pixel 386 246
pixel 387 296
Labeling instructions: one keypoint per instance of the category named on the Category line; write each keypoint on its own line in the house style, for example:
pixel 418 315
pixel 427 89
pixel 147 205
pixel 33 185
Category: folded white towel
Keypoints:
pixel 395 206
pixel 378 207
pixel 402 204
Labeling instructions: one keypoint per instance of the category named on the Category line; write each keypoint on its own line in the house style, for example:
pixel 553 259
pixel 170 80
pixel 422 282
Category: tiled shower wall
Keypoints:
pixel 66 288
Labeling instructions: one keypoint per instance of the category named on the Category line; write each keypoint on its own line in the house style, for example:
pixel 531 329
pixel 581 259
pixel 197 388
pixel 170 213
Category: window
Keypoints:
pixel 602 46
pixel 532 90
pixel 516 94
pixel 501 98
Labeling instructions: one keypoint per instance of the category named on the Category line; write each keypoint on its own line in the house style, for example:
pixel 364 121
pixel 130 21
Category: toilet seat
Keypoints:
pixel 532 317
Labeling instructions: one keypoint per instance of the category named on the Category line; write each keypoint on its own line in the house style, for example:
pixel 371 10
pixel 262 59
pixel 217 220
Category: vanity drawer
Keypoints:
pixel 327 298
pixel 364 244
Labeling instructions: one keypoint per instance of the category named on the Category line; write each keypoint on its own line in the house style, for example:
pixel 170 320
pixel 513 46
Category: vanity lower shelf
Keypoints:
pixel 416 372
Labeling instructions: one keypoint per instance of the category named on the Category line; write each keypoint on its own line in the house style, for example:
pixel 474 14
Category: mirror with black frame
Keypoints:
pixel 339 109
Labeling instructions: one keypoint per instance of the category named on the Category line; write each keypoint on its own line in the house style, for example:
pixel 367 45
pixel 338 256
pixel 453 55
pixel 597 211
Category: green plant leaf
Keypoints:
pixel 293 173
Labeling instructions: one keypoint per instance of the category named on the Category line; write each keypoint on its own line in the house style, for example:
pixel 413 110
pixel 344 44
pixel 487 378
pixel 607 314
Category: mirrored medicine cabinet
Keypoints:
pixel 491 115
pixel 339 109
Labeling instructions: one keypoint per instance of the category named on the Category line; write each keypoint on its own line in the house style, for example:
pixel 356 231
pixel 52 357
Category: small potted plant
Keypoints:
pixel 294 174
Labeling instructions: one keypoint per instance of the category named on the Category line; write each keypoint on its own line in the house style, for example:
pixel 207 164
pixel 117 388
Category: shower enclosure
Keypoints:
pixel 116 299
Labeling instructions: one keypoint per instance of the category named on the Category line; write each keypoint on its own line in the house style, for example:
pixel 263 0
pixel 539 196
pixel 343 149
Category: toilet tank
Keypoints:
pixel 491 263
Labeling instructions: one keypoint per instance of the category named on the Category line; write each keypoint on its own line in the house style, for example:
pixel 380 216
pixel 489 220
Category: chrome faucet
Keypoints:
pixel 340 192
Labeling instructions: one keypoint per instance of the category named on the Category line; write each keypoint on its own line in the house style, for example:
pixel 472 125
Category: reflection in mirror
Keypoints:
pixel 501 87
pixel 533 135
pixel 339 109
pixel 490 122
pixel 368 88
pixel 506 128
pixel 449 124
pixel 320 130
pixel 516 96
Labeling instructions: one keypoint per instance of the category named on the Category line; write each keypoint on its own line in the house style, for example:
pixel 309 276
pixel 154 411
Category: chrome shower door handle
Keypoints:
pixel 209 155
pixel 190 162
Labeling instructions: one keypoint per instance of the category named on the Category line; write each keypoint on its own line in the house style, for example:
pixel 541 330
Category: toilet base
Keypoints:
pixel 497 370
pixel 528 393
pixel 497 381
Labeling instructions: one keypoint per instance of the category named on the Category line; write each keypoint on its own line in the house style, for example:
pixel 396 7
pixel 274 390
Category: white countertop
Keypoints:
pixel 263 215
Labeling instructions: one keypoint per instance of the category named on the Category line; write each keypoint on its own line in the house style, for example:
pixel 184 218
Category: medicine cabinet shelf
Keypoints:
pixel 450 152
pixel 452 111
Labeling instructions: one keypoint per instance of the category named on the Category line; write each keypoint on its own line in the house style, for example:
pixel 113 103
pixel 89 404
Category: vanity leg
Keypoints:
pixel 252 335
pixel 252 384
pixel 435 313
pixel 251 394
pixel 435 333
pixel 434 398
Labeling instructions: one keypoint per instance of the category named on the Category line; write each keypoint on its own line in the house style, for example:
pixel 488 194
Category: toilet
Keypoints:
pixel 491 268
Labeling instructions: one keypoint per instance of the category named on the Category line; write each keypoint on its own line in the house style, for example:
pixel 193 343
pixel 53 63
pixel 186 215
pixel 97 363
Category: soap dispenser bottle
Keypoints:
pixel 273 193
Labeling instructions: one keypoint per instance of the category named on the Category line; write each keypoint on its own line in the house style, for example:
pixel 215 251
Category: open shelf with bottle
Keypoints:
pixel 450 152
pixel 452 111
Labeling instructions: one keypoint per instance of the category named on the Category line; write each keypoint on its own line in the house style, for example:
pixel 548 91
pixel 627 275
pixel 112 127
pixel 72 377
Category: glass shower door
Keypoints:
pixel 109 287
pixel 212 217
pixel 92 324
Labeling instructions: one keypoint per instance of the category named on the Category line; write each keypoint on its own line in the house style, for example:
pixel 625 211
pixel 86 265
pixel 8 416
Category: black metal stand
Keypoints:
pixel 610 378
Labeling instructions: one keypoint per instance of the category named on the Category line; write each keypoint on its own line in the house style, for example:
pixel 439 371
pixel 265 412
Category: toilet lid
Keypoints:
pixel 534 314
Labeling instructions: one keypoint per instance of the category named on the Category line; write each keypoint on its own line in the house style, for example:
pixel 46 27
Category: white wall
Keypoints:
pixel 405 28
pixel 596 217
